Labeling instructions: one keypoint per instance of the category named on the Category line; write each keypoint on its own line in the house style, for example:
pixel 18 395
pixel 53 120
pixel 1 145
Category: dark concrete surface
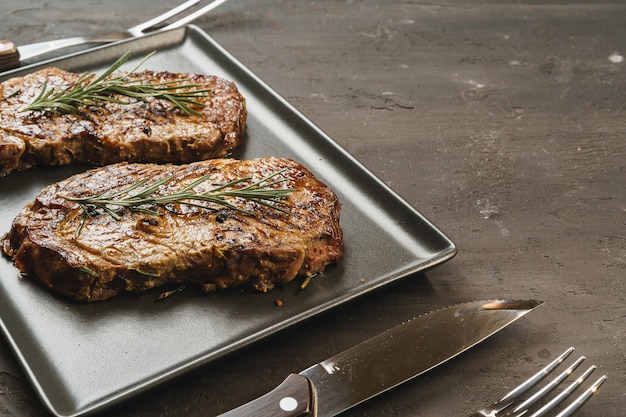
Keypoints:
pixel 504 122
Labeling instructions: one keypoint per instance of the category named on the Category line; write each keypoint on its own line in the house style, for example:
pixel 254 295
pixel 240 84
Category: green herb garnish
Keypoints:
pixel 144 200
pixel 89 90
pixel 88 271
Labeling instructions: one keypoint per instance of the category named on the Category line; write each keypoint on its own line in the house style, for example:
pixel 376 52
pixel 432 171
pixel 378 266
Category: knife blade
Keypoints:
pixel 386 360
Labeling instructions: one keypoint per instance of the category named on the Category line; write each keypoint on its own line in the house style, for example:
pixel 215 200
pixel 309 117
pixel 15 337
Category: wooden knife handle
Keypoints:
pixel 9 55
pixel 292 398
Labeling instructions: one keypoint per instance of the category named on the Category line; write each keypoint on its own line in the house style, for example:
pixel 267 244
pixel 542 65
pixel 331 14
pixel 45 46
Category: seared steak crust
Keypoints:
pixel 151 131
pixel 216 248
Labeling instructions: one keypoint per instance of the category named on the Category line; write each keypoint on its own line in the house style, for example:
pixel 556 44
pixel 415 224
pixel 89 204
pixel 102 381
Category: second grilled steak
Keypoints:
pixel 216 247
pixel 154 130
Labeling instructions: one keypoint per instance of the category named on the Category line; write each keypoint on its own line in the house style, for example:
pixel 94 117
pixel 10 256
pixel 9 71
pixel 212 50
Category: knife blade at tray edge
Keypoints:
pixel 386 360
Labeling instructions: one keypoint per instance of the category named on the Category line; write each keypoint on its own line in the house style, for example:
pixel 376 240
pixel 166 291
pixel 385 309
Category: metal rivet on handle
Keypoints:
pixel 288 404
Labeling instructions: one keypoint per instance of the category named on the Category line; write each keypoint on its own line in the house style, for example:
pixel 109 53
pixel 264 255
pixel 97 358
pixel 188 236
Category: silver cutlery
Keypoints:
pixel 513 404
pixel 385 361
pixel 11 55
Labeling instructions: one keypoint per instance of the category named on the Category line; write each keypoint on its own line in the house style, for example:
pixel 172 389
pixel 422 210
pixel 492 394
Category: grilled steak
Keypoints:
pixel 140 131
pixel 213 246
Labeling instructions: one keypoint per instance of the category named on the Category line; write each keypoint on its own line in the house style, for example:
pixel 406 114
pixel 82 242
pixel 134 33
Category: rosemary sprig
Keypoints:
pixel 89 90
pixel 143 198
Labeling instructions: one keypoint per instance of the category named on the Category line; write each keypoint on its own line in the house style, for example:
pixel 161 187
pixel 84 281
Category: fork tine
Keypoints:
pixel 582 398
pixel 549 387
pixel 562 395
pixel 533 380
pixel 504 406
pixel 163 17
pixel 192 16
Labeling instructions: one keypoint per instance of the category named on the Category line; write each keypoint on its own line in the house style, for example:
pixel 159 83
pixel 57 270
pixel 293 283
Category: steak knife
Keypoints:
pixel 385 361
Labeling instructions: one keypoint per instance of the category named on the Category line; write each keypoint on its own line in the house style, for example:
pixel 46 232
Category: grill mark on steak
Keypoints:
pixel 151 131
pixel 215 249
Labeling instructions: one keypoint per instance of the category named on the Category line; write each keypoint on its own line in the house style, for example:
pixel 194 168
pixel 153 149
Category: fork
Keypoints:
pixel 11 55
pixel 513 404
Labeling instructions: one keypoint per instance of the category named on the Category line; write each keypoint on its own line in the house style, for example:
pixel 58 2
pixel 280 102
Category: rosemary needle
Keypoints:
pixel 143 198
pixel 89 90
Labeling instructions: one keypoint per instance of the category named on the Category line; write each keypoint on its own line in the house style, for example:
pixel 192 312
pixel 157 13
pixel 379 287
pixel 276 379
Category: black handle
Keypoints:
pixel 292 398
